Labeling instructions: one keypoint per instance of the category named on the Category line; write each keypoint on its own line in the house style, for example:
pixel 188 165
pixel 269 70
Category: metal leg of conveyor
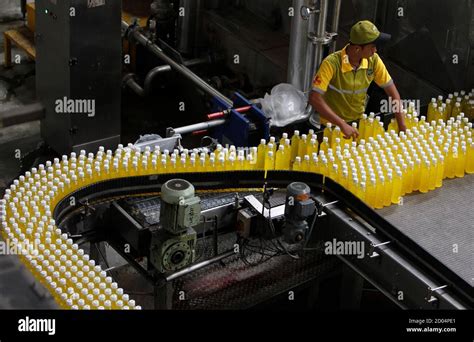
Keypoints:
pixel 351 289
pixel 163 296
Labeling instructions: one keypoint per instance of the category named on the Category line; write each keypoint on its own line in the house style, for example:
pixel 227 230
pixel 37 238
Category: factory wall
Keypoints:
pixel 9 8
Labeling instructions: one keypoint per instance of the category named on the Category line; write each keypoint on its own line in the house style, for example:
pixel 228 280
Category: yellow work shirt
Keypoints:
pixel 345 88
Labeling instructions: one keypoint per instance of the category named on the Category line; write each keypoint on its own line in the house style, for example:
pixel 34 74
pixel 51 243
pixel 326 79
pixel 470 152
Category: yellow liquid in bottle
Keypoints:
pixel 397 188
pixel 312 147
pixel 425 174
pixel 324 146
pixel 461 163
pixel 295 139
pixel 297 164
pixel 470 158
pixel 260 163
pixel 452 162
pixel 379 193
pixel 269 161
pixel 302 147
pixel 371 193
pixel 432 175
pixel 328 132
pixel 439 172
pixel 280 160
pixel 387 198
pixel 362 125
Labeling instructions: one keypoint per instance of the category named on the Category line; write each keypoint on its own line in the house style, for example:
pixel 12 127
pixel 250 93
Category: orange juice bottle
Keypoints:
pixel 269 161
pixel 460 166
pixel 425 174
pixel 362 125
pixel 315 164
pixel 397 187
pixel 328 132
pixel 261 154
pixel 387 200
pixel 470 157
pixel 295 139
pixel 452 161
pixel 297 164
pixel 379 192
pixel 440 171
pixel 371 191
pixel 303 145
pixel 432 174
pixel 284 136
pixel 312 147
pixel 325 145
pixel 432 109
pixel 280 161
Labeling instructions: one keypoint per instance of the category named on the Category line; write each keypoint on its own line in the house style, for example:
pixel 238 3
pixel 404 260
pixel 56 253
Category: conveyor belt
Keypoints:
pixel 440 221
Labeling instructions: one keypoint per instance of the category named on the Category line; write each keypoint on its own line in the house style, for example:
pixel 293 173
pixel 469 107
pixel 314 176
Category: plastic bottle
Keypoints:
pixel 362 125
pixel 388 190
pixel 280 160
pixel 261 154
pixel 295 139
pixel 439 172
pixel 269 160
pixel 397 187
pixel 432 107
pixel 470 156
pixel 303 145
pixel 325 145
pixel 297 164
pixel 460 166
pixel 380 192
pixel 371 191
pixel 425 173
pixel 328 132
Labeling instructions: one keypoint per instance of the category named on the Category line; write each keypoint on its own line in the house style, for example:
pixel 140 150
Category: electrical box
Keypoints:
pixel 78 72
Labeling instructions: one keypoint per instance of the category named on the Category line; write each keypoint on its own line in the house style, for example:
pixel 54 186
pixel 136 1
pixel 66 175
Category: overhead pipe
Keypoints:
pixel 130 79
pixel 297 67
pixel 182 69
pixel 335 23
pixel 321 35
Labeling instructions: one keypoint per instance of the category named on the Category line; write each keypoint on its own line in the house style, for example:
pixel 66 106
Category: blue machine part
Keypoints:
pixel 242 129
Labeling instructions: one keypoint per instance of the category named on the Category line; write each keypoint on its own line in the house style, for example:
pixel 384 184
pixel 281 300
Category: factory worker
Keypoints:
pixel 340 86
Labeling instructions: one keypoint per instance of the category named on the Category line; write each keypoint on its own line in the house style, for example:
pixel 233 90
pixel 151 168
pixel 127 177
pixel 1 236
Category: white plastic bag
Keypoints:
pixel 285 105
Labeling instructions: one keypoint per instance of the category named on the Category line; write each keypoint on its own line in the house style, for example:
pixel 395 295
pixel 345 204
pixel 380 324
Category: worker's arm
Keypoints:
pixel 316 99
pixel 385 81
pixel 318 103
pixel 394 97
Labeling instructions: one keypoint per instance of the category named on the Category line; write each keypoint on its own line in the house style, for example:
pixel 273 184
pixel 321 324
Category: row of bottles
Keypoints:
pixel 456 103
pixel 380 168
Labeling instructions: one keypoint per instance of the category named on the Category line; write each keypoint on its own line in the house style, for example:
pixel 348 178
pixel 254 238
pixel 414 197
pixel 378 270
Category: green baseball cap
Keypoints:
pixel 365 32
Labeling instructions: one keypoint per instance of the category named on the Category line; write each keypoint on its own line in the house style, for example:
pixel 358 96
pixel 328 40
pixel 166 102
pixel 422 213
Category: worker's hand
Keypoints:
pixel 349 132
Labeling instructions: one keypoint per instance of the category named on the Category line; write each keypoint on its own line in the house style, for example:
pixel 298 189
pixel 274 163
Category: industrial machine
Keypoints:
pixel 221 237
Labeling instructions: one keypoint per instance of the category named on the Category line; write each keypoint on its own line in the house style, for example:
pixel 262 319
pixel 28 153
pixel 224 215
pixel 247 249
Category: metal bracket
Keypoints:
pixel 431 298
pixel 327 39
pixel 374 247
pixel 306 12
